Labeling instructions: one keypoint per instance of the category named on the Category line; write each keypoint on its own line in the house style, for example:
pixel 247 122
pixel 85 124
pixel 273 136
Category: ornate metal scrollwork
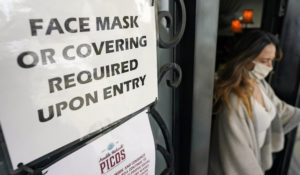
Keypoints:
pixel 167 67
pixel 168 153
pixel 167 158
pixel 169 19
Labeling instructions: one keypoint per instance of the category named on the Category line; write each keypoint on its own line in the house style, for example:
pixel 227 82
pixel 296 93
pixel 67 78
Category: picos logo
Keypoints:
pixel 111 158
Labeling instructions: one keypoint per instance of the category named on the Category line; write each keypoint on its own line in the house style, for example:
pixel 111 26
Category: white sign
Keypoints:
pixel 128 149
pixel 68 68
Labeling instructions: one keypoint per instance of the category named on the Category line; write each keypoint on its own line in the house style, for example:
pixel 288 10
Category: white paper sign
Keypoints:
pixel 128 149
pixel 68 68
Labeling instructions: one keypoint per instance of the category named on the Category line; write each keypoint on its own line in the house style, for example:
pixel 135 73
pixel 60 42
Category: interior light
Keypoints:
pixel 236 26
pixel 248 16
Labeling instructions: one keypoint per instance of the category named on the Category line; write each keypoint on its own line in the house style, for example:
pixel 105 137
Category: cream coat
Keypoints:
pixel 234 149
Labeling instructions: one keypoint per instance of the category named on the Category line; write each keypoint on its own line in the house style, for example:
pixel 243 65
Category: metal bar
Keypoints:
pixel 206 25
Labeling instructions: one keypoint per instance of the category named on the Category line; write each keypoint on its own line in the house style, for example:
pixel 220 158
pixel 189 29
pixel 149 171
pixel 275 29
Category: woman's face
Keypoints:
pixel 266 57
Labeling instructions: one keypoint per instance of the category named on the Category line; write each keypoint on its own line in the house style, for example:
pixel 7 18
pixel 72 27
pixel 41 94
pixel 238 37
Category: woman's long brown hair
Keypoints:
pixel 232 77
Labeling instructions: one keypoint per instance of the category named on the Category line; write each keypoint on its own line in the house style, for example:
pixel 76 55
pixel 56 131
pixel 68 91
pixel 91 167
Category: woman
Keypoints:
pixel 250 120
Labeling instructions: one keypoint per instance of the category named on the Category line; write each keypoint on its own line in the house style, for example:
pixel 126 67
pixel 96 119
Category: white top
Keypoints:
pixel 264 116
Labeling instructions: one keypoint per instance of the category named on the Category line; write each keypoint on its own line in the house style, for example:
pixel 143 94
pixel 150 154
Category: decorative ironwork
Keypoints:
pixel 167 67
pixel 167 158
pixel 169 19
pixel 168 153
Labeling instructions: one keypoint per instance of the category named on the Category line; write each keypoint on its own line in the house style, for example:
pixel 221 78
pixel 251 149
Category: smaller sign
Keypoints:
pixel 128 149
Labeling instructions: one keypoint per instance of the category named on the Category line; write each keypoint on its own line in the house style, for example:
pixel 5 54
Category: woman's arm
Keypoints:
pixel 289 115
